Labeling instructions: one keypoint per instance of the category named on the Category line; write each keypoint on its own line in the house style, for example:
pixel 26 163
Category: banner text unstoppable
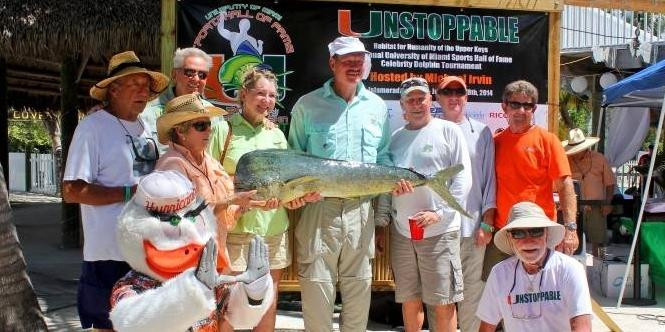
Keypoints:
pixel 408 25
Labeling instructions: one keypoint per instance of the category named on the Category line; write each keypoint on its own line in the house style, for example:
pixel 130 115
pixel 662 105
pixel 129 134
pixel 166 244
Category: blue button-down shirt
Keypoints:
pixel 325 125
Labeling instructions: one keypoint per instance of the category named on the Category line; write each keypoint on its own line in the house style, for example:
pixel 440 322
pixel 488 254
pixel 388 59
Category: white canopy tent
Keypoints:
pixel 643 89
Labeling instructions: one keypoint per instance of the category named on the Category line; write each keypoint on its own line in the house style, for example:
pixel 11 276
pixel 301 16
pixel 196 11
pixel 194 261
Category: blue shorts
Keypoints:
pixel 94 293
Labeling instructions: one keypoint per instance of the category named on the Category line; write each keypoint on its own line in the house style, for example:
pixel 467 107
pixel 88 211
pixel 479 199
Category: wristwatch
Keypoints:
pixel 571 226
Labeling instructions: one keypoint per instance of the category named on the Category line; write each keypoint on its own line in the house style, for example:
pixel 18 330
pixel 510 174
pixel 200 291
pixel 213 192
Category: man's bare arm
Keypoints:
pixel 79 191
pixel 486 327
pixel 567 199
pixel 581 323
pixel 568 204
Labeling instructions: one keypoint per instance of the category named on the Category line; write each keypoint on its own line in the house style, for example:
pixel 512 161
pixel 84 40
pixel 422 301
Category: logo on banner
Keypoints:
pixel 246 29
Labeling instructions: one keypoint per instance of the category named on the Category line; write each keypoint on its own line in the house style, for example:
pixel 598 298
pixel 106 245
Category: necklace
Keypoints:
pixel 204 172
pixel 579 168
pixel 532 279
pixel 125 128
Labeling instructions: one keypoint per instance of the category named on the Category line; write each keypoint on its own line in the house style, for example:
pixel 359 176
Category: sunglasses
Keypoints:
pixel 191 72
pixel 414 82
pixel 144 151
pixel 201 125
pixel 459 92
pixel 517 105
pixel 519 234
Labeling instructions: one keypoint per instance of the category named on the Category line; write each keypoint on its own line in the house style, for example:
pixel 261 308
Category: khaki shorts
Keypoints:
pixel 279 255
pixel 595 226
pixel 429 269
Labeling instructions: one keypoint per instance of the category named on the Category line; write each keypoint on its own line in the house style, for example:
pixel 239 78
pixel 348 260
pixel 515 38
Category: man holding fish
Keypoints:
pixel 425 237
pixel 335 237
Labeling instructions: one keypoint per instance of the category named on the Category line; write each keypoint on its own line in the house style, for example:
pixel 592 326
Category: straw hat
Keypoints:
pixel 577 142
pixel 181 109
pixel 127 63
pixel 528 215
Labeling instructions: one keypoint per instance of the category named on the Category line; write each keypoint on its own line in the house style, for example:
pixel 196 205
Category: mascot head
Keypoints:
pixel 164 227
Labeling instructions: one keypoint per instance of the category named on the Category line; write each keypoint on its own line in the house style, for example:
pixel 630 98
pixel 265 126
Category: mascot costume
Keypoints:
pixel 166 234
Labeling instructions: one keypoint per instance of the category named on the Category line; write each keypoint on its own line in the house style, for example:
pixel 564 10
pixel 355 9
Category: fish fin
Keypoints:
pixel 298 187
pixel 439 183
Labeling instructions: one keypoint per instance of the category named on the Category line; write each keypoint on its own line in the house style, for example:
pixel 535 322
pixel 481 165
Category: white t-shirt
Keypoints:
pixel 438 145
pixel 102 153
pixel 563 293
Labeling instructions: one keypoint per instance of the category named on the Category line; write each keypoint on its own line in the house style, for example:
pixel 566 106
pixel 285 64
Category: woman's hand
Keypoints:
pixel 243 198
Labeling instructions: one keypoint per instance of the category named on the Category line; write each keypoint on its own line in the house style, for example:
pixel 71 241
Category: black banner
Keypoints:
pixel 489 48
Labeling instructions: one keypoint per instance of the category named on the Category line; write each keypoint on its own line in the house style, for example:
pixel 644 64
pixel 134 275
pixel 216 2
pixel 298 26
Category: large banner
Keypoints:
pixel 489 48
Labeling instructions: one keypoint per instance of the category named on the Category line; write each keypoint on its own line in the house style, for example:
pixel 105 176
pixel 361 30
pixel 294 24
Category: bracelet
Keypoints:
pixel 127 193
pixel 487 228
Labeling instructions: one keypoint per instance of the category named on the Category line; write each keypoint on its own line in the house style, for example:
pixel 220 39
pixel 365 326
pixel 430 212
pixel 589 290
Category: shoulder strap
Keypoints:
pixel 226 142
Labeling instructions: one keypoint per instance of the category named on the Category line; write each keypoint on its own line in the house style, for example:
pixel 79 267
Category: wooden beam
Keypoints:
pixel 553 71
pixel 168 36
pixel 84 62
pixel 4 121
pixel 528 5
pixel 43 92
pixel 30 75
pixel 657 6
pixel 69 106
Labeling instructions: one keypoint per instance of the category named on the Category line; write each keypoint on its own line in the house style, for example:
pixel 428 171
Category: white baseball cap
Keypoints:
pixel 346 45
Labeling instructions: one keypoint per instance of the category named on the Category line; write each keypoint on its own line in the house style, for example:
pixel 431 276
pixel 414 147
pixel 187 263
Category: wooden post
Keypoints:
pixel 69 106
pixel 4 121
pixel 553 71
pixel 168 35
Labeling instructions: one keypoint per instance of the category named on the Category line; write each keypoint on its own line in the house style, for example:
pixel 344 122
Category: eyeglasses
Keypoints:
pixel 201 125
pixel 459 92
pixel 191 72
pixel 147 149
pixel 519 234
pixel 522 305
pixel 517 105
pixel 175 219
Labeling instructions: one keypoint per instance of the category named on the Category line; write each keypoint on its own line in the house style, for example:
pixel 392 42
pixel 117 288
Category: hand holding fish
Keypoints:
pixel 301 201
pixel 402 187
pixel 270 204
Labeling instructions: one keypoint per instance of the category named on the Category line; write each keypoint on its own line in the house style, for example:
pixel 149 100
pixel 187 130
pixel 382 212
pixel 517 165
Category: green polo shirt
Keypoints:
pixel 248 138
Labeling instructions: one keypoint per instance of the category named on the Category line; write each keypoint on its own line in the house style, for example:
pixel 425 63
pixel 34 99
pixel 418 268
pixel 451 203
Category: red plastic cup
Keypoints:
pixel 417 232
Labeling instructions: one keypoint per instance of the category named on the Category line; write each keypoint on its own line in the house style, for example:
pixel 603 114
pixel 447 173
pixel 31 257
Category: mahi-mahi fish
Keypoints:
pixel 289 174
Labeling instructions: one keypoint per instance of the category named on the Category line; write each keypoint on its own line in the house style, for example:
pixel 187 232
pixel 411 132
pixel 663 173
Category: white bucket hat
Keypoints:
pixel 576 141
pixel 528 215
pixel 348 45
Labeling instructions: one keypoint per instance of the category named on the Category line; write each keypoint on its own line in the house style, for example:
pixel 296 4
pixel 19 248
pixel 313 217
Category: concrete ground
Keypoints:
pixel 54 273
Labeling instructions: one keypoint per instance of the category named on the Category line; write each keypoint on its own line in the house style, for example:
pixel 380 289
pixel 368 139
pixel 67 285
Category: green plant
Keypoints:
pixel 28 135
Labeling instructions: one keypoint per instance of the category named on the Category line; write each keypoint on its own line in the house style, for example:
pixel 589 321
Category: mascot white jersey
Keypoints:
pixel 166 234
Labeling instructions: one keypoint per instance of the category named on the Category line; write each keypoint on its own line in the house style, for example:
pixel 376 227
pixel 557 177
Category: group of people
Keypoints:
pixel 506 186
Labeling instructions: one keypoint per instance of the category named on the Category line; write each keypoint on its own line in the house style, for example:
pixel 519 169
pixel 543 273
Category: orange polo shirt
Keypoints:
pixel 526 166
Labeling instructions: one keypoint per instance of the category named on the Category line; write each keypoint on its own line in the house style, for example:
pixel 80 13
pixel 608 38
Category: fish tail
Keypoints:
pixel 439 183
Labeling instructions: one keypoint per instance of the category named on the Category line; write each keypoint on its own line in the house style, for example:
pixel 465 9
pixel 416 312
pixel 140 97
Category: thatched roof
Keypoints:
pixel 36 35
pixel 54 28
